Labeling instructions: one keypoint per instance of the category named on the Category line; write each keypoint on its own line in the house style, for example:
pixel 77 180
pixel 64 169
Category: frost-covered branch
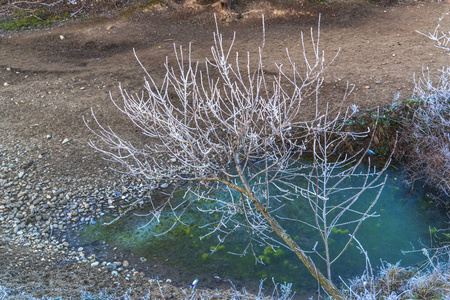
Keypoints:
pixel 441 38
pixel 234 137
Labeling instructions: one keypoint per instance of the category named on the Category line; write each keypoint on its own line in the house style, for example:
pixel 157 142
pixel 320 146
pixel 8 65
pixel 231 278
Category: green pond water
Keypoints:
pixel 407 220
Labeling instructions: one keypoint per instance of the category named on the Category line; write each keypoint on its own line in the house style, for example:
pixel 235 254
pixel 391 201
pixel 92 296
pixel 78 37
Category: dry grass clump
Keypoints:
pixel 156 292
pixel 431 285
pixel 394 282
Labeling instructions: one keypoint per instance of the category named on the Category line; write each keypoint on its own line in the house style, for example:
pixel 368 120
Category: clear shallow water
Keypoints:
pixel 405 221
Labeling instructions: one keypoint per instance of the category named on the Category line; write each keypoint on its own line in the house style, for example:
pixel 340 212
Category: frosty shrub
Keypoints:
pixel 428 131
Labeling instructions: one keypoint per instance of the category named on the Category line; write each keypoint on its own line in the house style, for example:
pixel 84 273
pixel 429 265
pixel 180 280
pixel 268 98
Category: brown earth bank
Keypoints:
pixel 50 79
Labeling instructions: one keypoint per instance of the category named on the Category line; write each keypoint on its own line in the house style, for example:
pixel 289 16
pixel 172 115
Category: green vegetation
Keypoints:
pixel 37 19
pixel 340 231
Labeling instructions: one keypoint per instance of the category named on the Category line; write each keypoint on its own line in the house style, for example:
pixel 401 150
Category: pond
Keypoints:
pixel 407 220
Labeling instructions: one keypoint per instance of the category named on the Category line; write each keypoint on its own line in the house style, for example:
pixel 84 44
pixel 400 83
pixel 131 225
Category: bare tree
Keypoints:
pixel 332 200
pixel 246 134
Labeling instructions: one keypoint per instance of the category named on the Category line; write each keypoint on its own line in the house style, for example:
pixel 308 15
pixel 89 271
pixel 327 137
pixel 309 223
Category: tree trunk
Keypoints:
pixel 327 285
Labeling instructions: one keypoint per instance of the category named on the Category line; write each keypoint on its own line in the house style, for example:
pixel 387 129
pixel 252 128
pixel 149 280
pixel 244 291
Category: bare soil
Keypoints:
pixel 50 79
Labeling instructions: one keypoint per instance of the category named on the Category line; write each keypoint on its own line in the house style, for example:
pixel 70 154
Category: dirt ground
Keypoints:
pixel 50 79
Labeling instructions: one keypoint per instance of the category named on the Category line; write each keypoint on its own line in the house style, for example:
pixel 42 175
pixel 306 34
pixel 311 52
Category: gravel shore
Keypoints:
pixel 40 209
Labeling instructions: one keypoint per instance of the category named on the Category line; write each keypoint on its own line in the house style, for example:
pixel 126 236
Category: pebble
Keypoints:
pixel 111 265
pixel 115 273
pixel 95 264
pixel 22 193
